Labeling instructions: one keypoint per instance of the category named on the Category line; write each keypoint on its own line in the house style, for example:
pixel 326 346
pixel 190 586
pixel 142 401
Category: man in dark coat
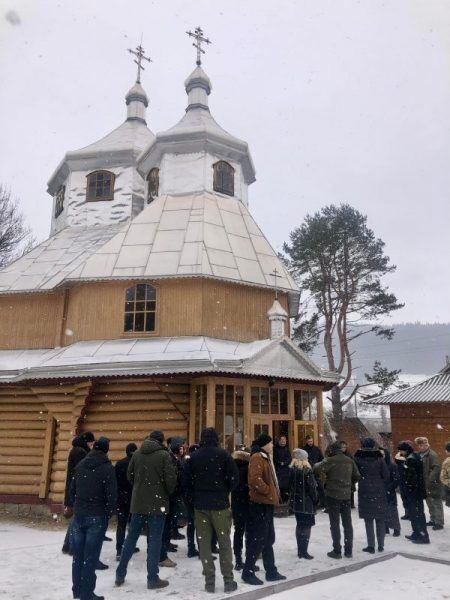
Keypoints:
pixel 431 473
pixel 392 518
pixel 189 502
pixel 124 490
pixel 282 460
pixel 154 479
pixel 208 478
pixel 81 446
pixel 93 494
pixel 340 474
pixel 410 466
pixel 315 456
pixel 239 506
pixel 372 500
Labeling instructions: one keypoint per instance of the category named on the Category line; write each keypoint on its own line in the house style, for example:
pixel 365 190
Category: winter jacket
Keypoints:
pixel 302 490
pixel 240 495
pixel 315 454
pixel 93 490
pixel 153 477
pixel 340 473
pixel 372 499
pixel 431 473
pixel 262 479
pixel 79 450
pixel 209 476
pixel 392 484
pixel 410 470
pixel 124 487
pixel 281 460
pixel 445 472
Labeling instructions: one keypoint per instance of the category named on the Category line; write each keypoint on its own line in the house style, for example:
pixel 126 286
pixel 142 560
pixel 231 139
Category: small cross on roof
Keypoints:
pixel 199 39
pixel 139 53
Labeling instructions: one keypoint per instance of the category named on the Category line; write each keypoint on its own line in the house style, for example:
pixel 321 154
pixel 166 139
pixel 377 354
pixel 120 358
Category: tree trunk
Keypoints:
pixel 336 403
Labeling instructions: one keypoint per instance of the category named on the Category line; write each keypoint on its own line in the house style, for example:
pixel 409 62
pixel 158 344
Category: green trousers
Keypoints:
pixel 207 521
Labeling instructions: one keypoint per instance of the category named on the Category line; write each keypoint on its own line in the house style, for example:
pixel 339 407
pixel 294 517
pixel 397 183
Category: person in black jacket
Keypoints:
pixel 81 446
pixel 372 501
pixel 208 478
pixel 189 502
pixel 315 455
pixel 302 499
pixel 124 491
pixel 93 495
pixel 239 506
pixel 281 461
pixel 392 519
pixel 411 473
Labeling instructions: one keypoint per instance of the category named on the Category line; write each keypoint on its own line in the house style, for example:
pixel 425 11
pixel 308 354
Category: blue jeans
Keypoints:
pixel 88 534
pixel 155 525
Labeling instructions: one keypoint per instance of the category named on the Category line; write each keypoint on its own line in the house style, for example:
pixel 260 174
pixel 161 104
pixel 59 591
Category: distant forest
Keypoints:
pixel 416 348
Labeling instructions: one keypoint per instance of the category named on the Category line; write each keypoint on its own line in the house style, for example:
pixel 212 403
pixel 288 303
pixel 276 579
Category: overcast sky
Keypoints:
pixel 339 100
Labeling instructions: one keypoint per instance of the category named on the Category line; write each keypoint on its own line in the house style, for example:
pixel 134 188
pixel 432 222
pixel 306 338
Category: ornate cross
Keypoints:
pixel 139 53
pixel 275 275
pixel 199 39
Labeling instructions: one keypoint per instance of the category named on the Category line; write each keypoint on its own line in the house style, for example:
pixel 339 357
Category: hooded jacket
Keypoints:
pixel 410 469
pixel 93 489
pixel 302 490
pixel 340 473
pixel 240 495
pixel 372 498
pixel 262 480
pixel 79 450
pixel 153 477
pixel 210 474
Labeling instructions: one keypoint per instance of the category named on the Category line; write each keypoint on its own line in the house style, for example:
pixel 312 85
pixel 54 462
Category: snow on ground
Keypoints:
pixel 33 567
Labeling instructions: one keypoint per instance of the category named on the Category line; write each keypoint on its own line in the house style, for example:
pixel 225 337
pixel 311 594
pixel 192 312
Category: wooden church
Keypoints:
pixel 156 303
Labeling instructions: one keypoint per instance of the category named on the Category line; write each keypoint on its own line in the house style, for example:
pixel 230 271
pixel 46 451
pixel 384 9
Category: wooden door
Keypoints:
pixel 303 429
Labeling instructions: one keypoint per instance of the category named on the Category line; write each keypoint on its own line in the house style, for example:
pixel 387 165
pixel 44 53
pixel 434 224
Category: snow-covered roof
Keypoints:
pixel 434 389
pixel 197 235
pixel 159 356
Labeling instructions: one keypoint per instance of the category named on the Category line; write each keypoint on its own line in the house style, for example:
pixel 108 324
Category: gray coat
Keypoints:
pixel 431 473
pixel 372 500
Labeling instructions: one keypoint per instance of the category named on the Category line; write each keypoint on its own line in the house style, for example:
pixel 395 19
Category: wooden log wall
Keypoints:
pixel 128 410
pixel 431 420
pixel 23 422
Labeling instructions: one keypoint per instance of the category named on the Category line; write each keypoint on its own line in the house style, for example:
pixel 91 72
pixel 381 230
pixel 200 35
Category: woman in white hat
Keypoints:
pixel 303 497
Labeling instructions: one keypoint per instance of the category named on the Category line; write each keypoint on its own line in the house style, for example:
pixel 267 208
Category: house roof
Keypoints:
pixel 162 356
pixel 195 235
pixel 434 389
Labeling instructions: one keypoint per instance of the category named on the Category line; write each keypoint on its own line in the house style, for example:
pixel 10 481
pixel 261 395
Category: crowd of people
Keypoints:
pixel 163 485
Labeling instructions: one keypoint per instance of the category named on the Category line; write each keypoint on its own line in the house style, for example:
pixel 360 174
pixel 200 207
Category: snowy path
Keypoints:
pixel 32 567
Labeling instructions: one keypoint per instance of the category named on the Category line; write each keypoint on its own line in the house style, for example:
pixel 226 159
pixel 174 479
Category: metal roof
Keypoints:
pixel 161 356
pixel 434 389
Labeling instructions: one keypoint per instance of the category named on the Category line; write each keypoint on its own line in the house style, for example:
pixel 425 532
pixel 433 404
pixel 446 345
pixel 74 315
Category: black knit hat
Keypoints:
pixel 131 449
pixel 87 436
pixel 405 447
pixel 209 437
pixel 157 435
pixel 176 442
pixel 447 446
pixel 368 443
pixel 102 444
pixel 262 440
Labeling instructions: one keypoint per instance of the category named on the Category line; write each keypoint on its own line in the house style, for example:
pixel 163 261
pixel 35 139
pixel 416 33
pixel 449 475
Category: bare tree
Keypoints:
pixel 15 236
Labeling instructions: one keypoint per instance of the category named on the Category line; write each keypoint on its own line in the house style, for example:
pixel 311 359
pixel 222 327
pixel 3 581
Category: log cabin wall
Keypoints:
pixel 95 311
pixel 431 420
pixel 128 410
pixel 31 320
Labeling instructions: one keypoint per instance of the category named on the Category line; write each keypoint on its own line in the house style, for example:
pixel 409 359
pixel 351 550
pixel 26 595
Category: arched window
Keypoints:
pixel 100 186
pixel 59 201
pixel 152 184
pixel 140 308
pixel 223 178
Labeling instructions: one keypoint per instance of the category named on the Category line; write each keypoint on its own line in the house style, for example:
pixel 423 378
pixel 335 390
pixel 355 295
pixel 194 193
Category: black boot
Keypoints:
pixel 250 577
pixel 303 542
pixel 238 564
pixel 192 552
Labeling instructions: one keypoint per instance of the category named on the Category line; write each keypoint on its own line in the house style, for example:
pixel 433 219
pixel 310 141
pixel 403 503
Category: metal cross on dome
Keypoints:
pixel 139 53
pixel 199 39
pixel 275 274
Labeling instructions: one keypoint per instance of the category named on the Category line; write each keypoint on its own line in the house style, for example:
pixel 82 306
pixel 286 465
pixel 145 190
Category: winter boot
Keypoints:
pixel 230 586
pixel 422 539
pixel 303 542
pixel 396 533
pixel 193 552
pixel 334 554
pixel 369 549
pixel 275 576
pixel 210 587
pixel 250 578
pixel 157 584
pixel 101 566
pixel 238 564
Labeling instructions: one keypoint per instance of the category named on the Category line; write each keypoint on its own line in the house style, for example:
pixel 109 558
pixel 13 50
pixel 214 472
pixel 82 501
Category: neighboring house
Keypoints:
pixel 421 410
pixel 156 303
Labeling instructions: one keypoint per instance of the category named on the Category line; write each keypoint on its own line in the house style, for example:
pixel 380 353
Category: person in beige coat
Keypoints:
pixel 445 474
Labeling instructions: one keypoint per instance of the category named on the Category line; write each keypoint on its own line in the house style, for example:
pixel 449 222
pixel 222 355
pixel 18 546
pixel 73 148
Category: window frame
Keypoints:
pixel 151 197
pixel 145 312
pixel 217 186
pixel 107 198
pixel 59 200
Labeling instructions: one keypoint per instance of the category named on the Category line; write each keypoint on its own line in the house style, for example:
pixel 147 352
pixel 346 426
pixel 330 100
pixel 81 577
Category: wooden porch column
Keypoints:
pixel 192 414
pixel 320 419
pixel 211 403
pixel 48 458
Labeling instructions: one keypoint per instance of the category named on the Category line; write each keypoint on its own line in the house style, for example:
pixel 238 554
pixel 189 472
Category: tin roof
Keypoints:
pixel 161 356
pixel 434 389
